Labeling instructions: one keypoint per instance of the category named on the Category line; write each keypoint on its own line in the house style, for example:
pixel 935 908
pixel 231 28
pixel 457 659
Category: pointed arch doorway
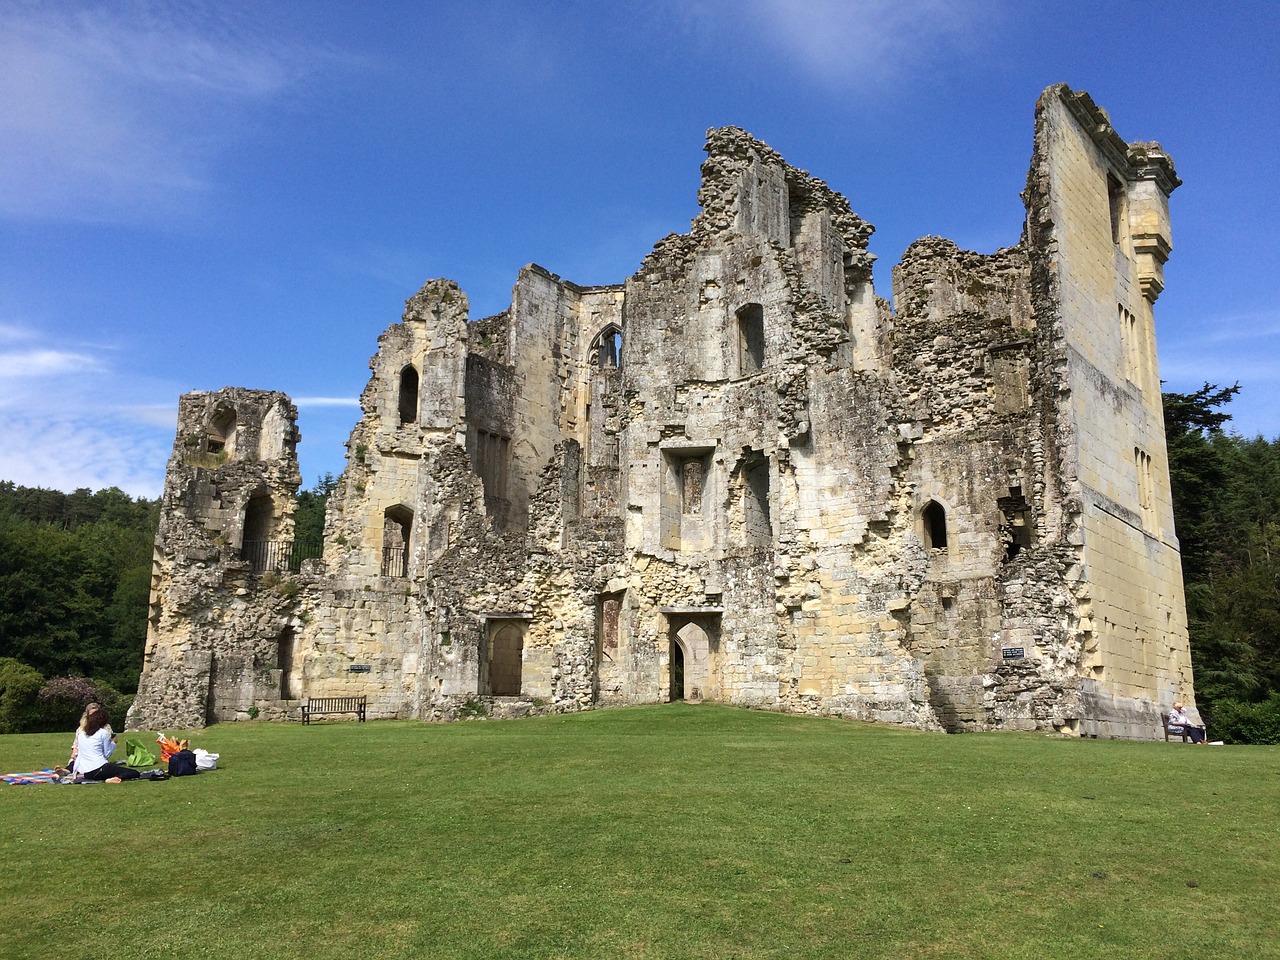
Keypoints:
pixel 693 654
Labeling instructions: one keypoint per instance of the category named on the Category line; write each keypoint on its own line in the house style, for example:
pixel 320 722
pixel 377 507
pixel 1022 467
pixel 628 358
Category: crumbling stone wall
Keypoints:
pixel 739 475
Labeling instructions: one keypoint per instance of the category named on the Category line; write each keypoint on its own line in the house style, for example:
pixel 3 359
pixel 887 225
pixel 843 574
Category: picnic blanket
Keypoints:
pixel 35 776
pixel 51 776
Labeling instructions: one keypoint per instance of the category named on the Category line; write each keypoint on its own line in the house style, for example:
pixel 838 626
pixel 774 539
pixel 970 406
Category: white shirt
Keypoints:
pixel 93 750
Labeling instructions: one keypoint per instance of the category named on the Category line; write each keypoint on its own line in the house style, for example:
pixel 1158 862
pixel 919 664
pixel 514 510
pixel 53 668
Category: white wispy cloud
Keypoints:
pixel 31 364
pixel 117 112
pixel 865 42
pixel 65 452
pixel 71 418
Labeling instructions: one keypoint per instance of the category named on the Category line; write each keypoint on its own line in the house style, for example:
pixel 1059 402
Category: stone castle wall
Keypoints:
pixel 737 476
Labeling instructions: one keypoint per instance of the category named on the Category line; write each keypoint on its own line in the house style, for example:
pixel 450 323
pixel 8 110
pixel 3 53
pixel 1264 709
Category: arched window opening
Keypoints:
pixel 606 348
pixel 256 545
pixel 506 653
pixel 934 517
pixel 397 525
pixel 221 437
pixel 750 339
pixel 409 395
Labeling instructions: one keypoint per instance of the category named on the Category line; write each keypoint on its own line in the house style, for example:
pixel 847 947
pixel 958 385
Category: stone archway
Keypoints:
pixel 694 671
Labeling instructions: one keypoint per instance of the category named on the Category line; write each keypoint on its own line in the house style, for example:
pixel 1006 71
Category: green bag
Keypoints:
pixel 137 755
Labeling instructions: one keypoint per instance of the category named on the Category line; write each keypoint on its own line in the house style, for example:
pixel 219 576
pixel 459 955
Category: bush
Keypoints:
pixel 1236 722
pixel 62 701
pixel 19 696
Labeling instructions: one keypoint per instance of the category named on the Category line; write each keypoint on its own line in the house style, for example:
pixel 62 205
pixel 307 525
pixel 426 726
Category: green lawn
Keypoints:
pixel 673 831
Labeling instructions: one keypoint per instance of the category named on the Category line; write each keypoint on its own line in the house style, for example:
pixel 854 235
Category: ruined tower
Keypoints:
pixel 737 476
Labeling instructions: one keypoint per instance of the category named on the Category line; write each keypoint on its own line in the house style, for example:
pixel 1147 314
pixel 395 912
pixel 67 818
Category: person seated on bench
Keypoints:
pixel 94 743
pixel 1180 722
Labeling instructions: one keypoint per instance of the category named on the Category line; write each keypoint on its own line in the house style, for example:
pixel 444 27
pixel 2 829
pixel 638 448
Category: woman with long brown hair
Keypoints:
pixel 94 743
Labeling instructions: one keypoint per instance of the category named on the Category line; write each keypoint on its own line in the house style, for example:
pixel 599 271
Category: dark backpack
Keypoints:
pixel 182 764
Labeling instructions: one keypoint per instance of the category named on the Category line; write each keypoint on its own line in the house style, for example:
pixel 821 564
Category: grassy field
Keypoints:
pixel 674 831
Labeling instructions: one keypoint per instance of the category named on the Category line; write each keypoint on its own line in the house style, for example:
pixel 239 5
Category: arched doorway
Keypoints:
pixel 693 661
pixel 677 671
pixel 506 657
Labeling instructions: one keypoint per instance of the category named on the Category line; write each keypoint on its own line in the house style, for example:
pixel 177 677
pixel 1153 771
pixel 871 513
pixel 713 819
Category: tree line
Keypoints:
pixel 1226 507
pixel 75 581
pixel 75 574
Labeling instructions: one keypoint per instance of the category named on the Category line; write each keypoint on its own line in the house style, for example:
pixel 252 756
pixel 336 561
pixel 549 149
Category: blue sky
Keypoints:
pixel 201 195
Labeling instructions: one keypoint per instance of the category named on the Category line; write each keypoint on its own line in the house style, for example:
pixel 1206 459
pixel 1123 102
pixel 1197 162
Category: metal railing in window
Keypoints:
pixel 279 556
pixel 395 562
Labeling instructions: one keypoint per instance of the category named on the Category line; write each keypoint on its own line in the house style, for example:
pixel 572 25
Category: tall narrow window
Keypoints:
pixel 755 502
pixel 750 339
pixel 606 348
pixel 1146 484
pixel 397 525
pixel 1116 202
pixel 934 521
pixel 609 617
pixel 409 395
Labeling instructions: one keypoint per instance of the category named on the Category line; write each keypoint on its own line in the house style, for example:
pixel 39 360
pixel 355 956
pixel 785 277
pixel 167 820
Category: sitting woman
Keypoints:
pixel 1180 722
pixel 94 744
pixel 70 768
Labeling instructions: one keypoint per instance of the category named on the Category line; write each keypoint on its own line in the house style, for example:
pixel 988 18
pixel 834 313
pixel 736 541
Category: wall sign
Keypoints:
pixel 359 668
pixel 1013 653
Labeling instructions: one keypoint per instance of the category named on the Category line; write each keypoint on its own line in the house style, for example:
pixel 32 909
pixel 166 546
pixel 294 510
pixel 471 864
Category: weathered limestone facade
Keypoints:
pixel 737 476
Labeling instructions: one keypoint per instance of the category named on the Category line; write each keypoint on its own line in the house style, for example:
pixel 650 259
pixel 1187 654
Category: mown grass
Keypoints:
pixel 674 831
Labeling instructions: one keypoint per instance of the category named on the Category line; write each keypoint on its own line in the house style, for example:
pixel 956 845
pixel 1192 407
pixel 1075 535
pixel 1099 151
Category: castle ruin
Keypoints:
pixel 738 476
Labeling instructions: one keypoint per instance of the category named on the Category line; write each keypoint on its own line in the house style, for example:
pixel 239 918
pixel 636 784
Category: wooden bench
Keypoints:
pixel 1183 732
pixel 324 705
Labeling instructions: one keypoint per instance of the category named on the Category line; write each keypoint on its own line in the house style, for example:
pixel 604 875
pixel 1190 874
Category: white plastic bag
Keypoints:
pixel 206 760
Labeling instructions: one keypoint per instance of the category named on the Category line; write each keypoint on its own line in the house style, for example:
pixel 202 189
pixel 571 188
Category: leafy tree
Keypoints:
pixel 1225 494
pixel 19 689
pixel 308 518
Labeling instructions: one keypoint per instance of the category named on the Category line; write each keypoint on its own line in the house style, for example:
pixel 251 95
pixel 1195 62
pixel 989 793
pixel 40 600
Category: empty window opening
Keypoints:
pixel 1116 201
pixel 506 653
pixel 606 348
pixel 750 339
pixel 221 437
pixel 409 395
pixel 755 502
pixel 934 518
pixel 1015 523
pixel 256 545
pixel 397 525
pixel 288 637
pixel 686 506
